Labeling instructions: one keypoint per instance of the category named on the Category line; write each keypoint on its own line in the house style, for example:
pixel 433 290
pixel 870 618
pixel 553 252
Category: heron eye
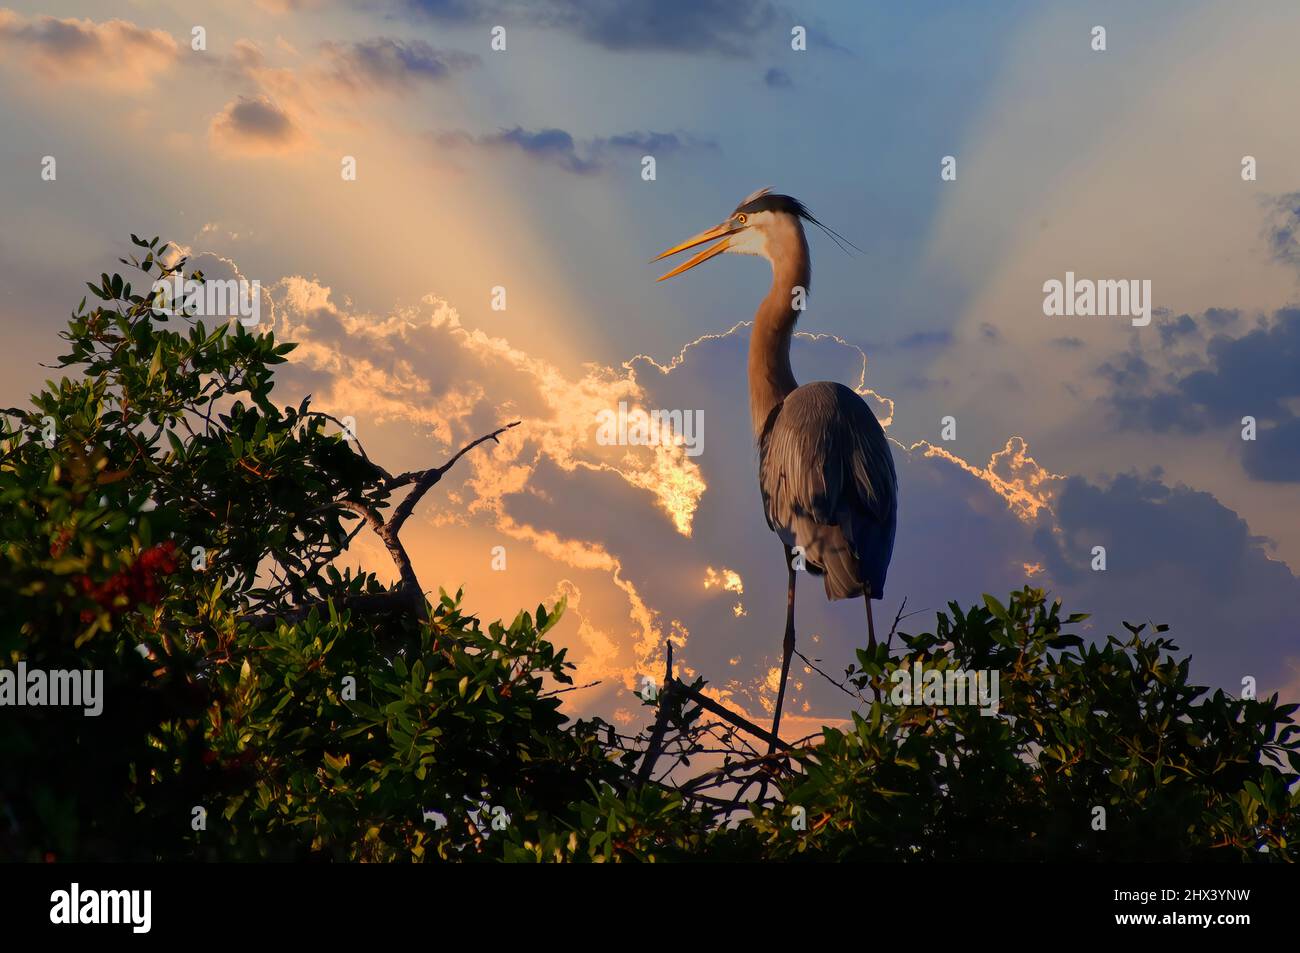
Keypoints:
pixel 741 219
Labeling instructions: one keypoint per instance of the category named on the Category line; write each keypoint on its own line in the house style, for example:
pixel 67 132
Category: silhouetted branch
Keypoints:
pixel 424 479
pixel 571 688
pixel 889 642
pixel 840 685
pixel 408 595
pixel 708 704
pixel 655 747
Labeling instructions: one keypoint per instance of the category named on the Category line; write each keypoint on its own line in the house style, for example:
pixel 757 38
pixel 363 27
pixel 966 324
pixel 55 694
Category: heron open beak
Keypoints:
pixel 717 231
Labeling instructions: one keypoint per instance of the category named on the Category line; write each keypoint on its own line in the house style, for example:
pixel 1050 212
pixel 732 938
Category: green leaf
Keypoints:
pixel 178 447
pixel 996 608
pixel 156 364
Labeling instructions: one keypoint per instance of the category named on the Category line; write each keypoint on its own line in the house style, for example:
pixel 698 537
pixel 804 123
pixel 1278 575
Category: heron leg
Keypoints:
pixel 789 650
pixel 871 638
pixel 871 623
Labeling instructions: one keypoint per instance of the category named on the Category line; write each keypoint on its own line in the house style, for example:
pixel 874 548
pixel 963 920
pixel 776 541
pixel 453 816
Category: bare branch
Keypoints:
pixel 722 711
pixel 425 479
pixel 571 688
pixel 387 534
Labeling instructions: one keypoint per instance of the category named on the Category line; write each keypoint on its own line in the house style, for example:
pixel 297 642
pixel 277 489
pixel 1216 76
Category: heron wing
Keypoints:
pixel 828 483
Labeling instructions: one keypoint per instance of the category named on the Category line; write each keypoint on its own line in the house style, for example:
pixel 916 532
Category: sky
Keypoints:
pixel 480 169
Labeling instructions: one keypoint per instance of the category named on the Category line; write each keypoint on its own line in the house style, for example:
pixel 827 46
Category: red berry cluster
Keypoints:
pixel 59 544
pixel 139 582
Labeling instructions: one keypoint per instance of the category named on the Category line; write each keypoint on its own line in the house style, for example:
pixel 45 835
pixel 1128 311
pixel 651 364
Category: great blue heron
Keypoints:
pixel 824 467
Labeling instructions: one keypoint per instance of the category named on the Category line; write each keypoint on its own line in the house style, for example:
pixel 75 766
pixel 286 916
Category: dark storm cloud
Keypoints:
pixel 558 148
pixel 1256 374
pixel 1159 412
pixel 1179 556
pixel 1128 372
pixel 1222 317
pixel 1175 329
pixel 1139 519
pixel 1274 455
pixel 728 27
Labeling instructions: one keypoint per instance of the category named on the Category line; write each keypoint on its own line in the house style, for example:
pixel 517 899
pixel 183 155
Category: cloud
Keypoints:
pixel 1129 372
pixel 287 6
pixel 726 27
pixel 556 147
pixel 1282 228
pixel 313 97
pixel 113 52
pixel 1174 555
pixel 1177 555
pixel 926 339
pixel 254 125
pixel 423 368
pixel 1028 489
pixel 1228 378
pixel 388 64
pixel 1174 329
pixel 247 54
pixel 217 267
pixel 551 146
pixel 777 78
pixel 1221 317
pixel 658 546
pixel 1274 456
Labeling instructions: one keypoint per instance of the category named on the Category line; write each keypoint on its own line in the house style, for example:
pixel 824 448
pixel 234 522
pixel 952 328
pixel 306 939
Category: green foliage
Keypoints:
pixel 180 532
pixel 220 692
pixel 1080 727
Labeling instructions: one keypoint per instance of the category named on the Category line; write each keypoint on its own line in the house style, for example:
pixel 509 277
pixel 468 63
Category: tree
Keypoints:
pixel 166 524
pixel 1097 752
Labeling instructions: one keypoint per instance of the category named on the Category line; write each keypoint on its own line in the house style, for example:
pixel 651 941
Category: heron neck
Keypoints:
pixel 771 378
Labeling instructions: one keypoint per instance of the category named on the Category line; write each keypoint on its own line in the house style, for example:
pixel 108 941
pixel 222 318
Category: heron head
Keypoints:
pixel 761 225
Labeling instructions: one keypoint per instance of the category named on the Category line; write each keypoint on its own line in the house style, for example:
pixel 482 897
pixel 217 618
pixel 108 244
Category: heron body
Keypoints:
pixel 829 489
pixel 825 470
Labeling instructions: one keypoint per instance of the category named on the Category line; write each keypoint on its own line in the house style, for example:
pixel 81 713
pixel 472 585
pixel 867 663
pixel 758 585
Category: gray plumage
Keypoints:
pixel 829 487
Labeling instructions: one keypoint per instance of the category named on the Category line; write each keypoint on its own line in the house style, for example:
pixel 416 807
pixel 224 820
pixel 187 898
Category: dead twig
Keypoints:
pixel 408 594
pixel 571 688
pixel 423 480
